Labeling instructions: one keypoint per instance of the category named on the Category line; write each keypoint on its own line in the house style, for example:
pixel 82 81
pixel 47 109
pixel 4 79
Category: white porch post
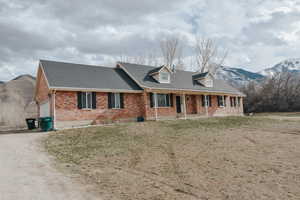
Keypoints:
pixel 237 104
pixel 206 105
pixel 224 103
pixel 155 105
pixel 184 106
pixel 54 111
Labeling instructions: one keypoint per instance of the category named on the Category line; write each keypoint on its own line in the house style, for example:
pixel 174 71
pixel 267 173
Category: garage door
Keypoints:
pixel 45 109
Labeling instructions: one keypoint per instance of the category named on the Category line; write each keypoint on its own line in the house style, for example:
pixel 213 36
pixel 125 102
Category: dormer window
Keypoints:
pixel 164 77
pixel 161 74
pixel 205 79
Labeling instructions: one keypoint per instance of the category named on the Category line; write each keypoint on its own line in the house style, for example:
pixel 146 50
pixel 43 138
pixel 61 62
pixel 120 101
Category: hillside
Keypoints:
pixel 16 101
pixel 237 77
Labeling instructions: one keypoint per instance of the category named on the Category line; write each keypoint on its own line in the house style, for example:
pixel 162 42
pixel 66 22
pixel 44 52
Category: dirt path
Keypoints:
pixel 26 172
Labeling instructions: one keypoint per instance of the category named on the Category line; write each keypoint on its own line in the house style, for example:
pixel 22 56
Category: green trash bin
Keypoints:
pixel 30 123
pixel 46 123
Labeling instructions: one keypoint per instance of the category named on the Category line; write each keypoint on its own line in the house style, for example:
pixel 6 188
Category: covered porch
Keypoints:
pixel 190 104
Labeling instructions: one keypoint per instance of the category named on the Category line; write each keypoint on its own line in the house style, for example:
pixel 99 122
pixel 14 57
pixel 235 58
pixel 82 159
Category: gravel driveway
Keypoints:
pixel 26 172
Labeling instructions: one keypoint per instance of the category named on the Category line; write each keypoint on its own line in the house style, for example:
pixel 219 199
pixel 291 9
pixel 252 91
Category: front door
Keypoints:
pixel 178 104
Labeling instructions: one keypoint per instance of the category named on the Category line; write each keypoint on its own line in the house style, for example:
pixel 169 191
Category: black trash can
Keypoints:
pixel 140 119
pixel 30 123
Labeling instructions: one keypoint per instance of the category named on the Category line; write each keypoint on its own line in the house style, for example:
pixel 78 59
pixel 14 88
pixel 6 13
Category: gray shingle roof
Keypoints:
pixel 69 75
pixel 180 80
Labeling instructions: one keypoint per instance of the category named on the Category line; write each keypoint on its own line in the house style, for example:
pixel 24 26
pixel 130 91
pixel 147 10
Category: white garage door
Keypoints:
pixel 45 109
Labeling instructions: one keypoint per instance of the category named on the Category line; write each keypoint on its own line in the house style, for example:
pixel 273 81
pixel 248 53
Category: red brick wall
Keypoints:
pixel 191 104
pixel 41 87
pixel 67 110
pixel 135 105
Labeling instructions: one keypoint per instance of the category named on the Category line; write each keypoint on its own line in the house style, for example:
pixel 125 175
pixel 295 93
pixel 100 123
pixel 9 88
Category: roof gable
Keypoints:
pixel 159 69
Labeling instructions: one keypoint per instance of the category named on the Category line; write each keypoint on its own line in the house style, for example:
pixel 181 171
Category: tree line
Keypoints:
pixel 278 93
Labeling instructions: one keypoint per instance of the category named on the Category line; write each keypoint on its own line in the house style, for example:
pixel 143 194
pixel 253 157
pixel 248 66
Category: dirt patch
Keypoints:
pixel 218 158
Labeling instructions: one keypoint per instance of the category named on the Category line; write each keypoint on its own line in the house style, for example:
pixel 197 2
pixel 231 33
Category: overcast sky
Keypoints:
pixel 257 33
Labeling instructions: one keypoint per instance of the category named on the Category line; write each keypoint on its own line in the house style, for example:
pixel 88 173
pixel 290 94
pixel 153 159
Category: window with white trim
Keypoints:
pixel 206 100
pixel 164 77
pixel 86 99
pixel 221 101
pixel 163 100
pixel 115 100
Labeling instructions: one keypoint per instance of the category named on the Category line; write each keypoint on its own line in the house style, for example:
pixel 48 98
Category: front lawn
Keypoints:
pixel 216 158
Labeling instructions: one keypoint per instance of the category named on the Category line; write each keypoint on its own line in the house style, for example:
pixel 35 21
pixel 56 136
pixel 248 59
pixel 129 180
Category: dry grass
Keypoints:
pixel 217 158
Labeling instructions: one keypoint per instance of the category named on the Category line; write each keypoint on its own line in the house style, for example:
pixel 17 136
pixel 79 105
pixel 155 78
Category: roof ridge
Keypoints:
pixel 151 66
pixel 70 63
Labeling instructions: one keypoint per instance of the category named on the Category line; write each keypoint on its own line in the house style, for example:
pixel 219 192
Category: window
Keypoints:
pixel 221 101
pixel 233 101
pixel 206 101
pixel 239 102
pixel 86 100
pixel 164 77
pixel 163 100
pixel 115 100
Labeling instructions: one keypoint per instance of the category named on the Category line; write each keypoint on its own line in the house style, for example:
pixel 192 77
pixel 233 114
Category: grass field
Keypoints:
pixel 216 158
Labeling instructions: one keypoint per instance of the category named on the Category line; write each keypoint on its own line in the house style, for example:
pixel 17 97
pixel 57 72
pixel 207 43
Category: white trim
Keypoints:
pixel 162 67
pixel 95 90
pixel 115 94
pixel 206 104
pixel 87 102
pixel 42 67
pixel 39 79
pixel 54 111
pixel 161 80
pixel 184 106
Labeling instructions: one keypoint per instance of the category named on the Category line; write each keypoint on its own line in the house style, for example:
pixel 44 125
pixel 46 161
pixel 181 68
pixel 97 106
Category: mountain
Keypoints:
pixel 237 77
pixel 289 65
pixel 16 102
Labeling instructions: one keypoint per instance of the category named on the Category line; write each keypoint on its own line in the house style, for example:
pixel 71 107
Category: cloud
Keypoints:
pixel 257 33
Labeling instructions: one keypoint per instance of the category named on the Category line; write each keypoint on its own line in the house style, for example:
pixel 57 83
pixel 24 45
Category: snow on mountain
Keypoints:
pixel 289 65
pixel 237 77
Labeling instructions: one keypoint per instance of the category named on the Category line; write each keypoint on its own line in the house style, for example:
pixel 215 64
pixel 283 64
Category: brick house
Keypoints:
pixel 75 94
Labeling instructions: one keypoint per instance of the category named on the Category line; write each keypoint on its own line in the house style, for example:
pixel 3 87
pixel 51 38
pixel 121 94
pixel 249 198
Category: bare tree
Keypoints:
pixel 281 92
pixel 208 56
pixel 172 51
pixel 149 58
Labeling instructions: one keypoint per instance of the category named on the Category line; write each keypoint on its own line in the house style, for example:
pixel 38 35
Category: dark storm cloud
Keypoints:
pixel 99 31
